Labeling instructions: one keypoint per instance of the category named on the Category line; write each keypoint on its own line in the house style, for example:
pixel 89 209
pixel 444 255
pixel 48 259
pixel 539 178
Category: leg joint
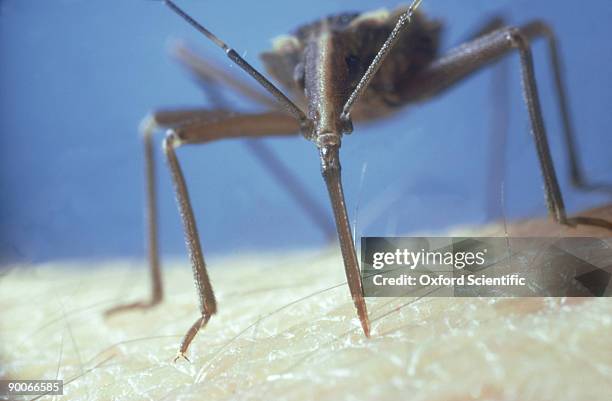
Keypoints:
pixel 517 38
pixel 172 141
pixel 147 126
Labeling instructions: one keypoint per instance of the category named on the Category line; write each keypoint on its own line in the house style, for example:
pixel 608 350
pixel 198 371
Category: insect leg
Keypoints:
pixel 151 215
pixel 170 118
pixel 147 129
pixel 162 118
pixel 541 29
pixel 229 126
pixel 208 304
pixel 481 52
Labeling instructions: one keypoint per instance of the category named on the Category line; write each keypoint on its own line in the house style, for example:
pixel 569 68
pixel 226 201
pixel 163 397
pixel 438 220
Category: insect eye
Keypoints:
pixel 352 62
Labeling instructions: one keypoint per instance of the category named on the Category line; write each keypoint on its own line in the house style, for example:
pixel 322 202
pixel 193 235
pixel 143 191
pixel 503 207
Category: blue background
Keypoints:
pixel 77 76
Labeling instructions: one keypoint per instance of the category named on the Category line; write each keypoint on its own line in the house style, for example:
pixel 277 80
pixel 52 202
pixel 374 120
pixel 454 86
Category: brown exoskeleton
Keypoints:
pixel 340 69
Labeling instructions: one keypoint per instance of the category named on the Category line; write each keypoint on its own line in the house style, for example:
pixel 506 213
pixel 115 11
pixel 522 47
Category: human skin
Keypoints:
pixel 286 329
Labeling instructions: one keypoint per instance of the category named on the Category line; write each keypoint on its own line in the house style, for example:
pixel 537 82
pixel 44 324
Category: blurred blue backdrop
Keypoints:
pixel 77 76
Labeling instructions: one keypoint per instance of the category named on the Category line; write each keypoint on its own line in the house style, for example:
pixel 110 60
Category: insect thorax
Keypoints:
pixel 357 39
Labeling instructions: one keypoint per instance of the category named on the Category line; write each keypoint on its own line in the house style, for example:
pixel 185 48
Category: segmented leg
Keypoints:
pixel 194 126
pixel 206 296
pixel 148 127
pixel 481 52
pixel 474 55
pixel 579 180
pixel 226 125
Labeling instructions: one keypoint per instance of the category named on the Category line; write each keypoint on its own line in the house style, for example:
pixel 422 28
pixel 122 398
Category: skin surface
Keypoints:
pixel 287 330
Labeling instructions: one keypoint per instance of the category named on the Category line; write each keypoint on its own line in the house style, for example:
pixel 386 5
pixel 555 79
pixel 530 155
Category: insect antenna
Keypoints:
pixel 197 25
pixel 380 57
pixel 291 107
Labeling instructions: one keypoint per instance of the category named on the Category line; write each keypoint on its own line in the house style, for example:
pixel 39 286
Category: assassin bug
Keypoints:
pixel 340 69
